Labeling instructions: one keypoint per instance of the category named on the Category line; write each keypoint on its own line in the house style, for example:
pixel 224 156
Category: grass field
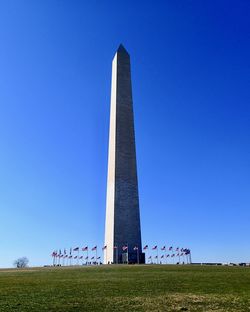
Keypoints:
pixel 126 288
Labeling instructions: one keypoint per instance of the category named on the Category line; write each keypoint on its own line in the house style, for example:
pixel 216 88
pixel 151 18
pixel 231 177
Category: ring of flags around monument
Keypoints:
pixel 89 255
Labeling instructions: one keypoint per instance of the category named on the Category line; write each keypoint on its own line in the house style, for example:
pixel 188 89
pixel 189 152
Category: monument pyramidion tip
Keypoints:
pixel 121 49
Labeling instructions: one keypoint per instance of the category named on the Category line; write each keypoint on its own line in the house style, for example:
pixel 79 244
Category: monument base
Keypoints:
pixel 132 258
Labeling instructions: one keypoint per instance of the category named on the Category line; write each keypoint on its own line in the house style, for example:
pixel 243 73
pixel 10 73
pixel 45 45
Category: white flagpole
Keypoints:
pixel 127 253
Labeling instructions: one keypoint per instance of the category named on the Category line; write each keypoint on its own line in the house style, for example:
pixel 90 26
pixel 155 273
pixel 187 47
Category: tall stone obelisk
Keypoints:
pixel 122 207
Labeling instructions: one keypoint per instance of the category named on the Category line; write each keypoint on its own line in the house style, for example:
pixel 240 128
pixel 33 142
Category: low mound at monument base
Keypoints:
pixel 126 288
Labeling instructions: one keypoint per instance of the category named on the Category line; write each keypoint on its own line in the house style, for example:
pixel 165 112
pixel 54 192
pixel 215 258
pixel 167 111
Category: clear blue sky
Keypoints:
pixel 191 81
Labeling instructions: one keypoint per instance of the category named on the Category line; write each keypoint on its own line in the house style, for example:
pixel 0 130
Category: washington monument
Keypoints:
pixel 122 229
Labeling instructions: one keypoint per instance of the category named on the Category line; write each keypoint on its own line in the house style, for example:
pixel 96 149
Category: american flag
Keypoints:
pixel 155 247
pixel 124 247
pixel 81 257
pixel 167 256
pixel 70 256
pixel 75 257
pixel 156 257
pixel 170 248
pixel 85 248
pixel 135 248
pixel 104 247
pixel 145 247
pixel 177 249
pixel 65 256
pixel 172 255
pixel 162 256
pixel 163 248
pixel 86 258
pixel 98 257
pixel 94 248
pixel 149 257
pixel 76 249
pixel 92 258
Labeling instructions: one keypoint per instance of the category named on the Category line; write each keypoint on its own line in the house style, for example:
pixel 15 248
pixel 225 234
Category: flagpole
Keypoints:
pixel 127 253
pixel 157 255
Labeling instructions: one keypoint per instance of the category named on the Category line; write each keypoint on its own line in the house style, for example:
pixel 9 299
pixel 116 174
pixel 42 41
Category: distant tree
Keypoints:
pixel 21 262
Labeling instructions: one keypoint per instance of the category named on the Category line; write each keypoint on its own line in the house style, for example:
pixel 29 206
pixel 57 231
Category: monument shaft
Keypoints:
pixel 122 206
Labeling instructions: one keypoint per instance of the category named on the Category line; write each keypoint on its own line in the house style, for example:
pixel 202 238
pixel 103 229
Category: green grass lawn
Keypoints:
pixel 126 288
